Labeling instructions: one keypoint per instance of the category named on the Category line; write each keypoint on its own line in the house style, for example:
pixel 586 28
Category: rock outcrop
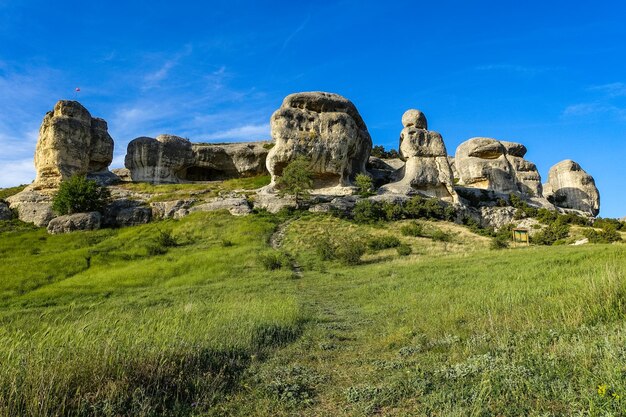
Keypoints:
pixel 172 159
pixel 570 187
pixel 71 142
pixel 427 169
pixel 490 164
pixel 5 212
pixel 74 222
pixel 32 207
pixel 326 129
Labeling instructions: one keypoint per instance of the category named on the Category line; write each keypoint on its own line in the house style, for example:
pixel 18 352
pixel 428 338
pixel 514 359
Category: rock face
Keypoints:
pixel 5 212
pixel 570 187
pixel 172 159
pixel 328 130
pixel 427 170
pixel 73 222
pixel 125 212
pixel 490 164
pixel 32 207
pixel 160 160
pixel 71 142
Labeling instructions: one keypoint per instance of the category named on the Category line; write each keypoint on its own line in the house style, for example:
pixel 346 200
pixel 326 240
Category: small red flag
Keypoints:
pixel 77 89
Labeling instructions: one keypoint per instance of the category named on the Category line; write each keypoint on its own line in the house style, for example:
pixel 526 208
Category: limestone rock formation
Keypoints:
pixel 237 206
pixel 126 212
pixel 71 142
pixel 570 187
pixel 32 207
pixel 490 164
pixel 384 171
pixel 328 130
pixel 228 160
pixel 73 222
pixel 427 169
pixel 5 212
pixel 172 159
pixel 160 160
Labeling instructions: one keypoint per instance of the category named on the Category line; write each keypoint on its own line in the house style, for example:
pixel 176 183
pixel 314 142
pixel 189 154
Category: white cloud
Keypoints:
pixel 611 90
pixel 242 133
pixel 594 108
pixel 17 172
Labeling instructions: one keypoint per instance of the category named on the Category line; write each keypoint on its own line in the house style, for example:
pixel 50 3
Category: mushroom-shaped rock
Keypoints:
pixel 490 164
pixel 427 169
pixel 160 160
pixel 570 187
pixel 326 129
pixel 71 142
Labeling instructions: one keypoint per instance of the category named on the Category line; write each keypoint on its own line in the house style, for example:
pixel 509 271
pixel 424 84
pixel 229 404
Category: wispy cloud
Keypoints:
pixel 17 172
pixel 242 133
pixel 515 68
pixel 607 101
pixel 610 90
pixel 293 34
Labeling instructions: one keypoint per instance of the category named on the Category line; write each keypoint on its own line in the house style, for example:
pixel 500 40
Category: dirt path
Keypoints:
pixel 276 241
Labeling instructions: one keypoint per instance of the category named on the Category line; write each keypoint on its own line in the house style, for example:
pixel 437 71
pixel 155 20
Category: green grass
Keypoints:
pixel 168 192
pixel 8 192
pixel 204 329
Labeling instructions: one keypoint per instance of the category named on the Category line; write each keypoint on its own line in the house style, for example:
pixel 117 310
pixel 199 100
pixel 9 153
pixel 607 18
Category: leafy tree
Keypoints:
pixel 364 184
pixel 80 195
pixel 380 152
pixel 297 179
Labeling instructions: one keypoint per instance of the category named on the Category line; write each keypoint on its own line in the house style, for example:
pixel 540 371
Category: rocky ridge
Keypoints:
pixel 325 128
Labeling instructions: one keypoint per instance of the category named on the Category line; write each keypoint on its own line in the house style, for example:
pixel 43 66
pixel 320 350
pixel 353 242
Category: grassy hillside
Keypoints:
pixel 200 316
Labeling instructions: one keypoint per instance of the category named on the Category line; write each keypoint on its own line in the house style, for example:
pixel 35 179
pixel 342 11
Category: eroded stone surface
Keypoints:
pixel 570 187
pixel 326 129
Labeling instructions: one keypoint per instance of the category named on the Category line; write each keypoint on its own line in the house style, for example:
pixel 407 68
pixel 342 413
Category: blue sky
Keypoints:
pixel 550 75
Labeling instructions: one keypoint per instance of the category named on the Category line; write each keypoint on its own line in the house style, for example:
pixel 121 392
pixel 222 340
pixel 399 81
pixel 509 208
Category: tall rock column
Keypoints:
pixel 427 170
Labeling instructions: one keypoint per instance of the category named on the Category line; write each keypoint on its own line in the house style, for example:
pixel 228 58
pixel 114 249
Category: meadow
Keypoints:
pixel 187 318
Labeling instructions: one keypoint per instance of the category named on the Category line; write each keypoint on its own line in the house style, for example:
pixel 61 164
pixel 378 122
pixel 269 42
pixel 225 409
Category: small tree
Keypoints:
pixel 79 195
pixel 297 179
pixel 364 184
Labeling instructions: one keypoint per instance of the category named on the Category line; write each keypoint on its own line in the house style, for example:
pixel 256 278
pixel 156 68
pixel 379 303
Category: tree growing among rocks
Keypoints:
pixel 296 179
pixel 79 195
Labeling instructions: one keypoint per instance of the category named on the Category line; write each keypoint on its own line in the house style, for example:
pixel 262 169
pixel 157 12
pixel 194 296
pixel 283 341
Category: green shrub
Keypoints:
pixel 500 241
pixel 364 184
pixel 440 236
pixel 165 239
pixel 296 179
pixel 79 195
pixel 404 249
pixel 608 235
pixel 349 251
pixel 551 234
pixel 383 242
pixel 414 229
pixel 380 152
pixel 366 211
pixel 325 248
pixel 272 261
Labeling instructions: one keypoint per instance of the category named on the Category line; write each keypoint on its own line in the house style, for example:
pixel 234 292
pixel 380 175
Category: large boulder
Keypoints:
pixel 73 222
pixel 32 207
pixel 71 142
pixel 126 212
pixel 229 160
pixel 328 130
pixel 490 164
pixel 427 170
pixel 172 159
pixel 5 212
pixel 570 187
pixel 160 160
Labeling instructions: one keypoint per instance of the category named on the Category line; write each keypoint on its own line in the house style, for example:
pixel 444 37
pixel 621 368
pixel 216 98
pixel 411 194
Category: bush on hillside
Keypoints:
pixel 80 195
pixel 347 250
pixel 607 235
pixel 404 250
pixel 383 242
pixel 418 207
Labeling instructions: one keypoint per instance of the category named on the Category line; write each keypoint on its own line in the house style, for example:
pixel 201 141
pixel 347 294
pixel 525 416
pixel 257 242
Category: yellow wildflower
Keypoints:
pixel 602 388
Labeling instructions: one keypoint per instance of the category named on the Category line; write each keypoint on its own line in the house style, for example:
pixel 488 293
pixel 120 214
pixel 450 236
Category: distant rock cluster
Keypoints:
pixel 328 131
